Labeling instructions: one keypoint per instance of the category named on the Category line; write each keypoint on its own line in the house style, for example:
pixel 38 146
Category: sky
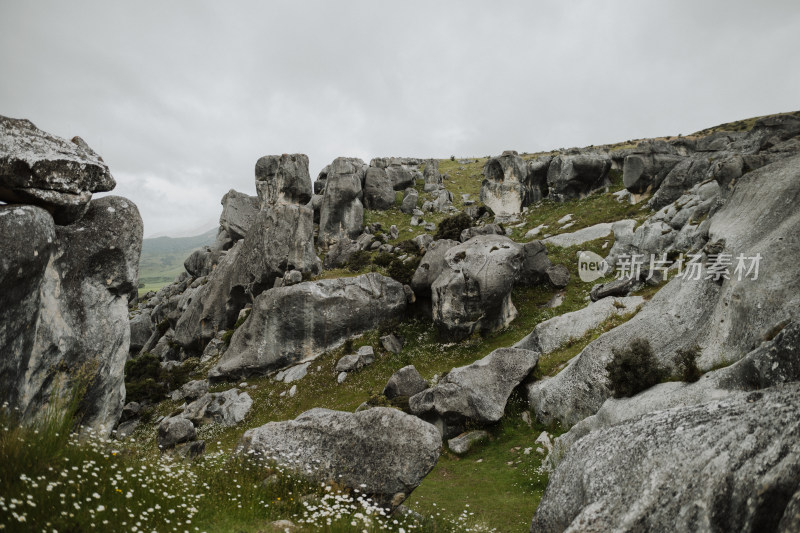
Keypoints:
pixel 181 98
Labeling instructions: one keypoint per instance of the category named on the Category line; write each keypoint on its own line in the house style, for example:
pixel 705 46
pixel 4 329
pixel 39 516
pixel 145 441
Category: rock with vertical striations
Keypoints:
pixel 283 179
pixel 342 213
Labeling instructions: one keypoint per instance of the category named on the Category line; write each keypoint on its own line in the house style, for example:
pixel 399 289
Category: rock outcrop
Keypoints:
pixel 378 189
pixel 475 393
pixel 382 452
pixel 342 214
pixel 725 317
pixel 473 291
pixel 729 465
pixel 503 189
pixel 575 176
pixel 289 324
pixel 239 211
pixel 37 168
pixel 283 179
pixel 63 288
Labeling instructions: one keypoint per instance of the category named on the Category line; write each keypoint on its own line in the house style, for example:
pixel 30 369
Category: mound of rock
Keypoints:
pixel 382 452
pixel 725 317
pixel 503 189
pixel 575 176
pixel 729 465
pixel 342 213
pixel 283 179
pixel 473 291
pixel 475 393
pixel 289 324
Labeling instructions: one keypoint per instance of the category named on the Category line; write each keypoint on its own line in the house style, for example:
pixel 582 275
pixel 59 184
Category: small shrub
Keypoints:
pixel 633 369
pixel 451 227
pixel 226 337
pixel 403 271
pixel 348 346
pixel 686 363
pixel 163 326
pixel 358 261
pixel 142 367
pixel 383 259
pixel 408 246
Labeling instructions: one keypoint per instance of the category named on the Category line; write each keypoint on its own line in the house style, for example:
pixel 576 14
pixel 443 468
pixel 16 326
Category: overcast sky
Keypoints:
pixel 182 97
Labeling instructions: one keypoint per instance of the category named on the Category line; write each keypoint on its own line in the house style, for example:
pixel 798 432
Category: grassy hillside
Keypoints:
pixel 163 257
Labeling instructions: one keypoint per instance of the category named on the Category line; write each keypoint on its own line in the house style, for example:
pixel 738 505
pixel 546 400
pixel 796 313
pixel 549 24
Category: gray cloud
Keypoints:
pixel 181 98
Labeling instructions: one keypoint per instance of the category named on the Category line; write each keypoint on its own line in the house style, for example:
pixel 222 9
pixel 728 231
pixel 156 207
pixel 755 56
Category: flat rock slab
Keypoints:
pixel 555 332
pixel 592 233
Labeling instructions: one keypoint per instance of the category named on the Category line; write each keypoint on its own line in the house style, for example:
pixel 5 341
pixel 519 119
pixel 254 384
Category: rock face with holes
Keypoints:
pixel 342 213
pixel 503 189
pixel 382 452
pixel 473 291
pixel 475 393
pixel 37 168
pixel 289 324
pixel 729 465
pixel 283 179
pixel 575 176
pixel 725 317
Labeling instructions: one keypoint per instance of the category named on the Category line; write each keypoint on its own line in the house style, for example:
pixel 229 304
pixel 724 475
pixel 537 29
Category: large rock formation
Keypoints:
pixel 239 211
pixel 342 214
pixel 475 393
pixel 289 324
pixel 41 169
pixel 503 189
pixel 283 179
pixel 281 239
pixel 378 189
pixel 473 291
pixel 729 465
pixel 382 452
pixel 430 267
pixel 726 317
pixel 64 306
pixel 774 362
pixel 575 176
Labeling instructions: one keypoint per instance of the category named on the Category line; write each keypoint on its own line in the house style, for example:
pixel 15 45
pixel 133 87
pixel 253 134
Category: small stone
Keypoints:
pixel 292 391
pixel 465 441
pixel 341 377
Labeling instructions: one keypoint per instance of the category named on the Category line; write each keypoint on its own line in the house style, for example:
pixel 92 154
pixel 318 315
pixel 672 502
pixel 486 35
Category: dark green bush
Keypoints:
pixel 383 259
pixel 686 363
pixel 142 367
pixel 403 271
pixel 451 227
pixel 408 246
pixel 358 261
pixel 147 381
pixel 633 369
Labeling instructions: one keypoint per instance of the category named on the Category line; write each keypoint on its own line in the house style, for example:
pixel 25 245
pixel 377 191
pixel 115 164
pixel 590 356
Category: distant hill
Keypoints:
pixel 163 257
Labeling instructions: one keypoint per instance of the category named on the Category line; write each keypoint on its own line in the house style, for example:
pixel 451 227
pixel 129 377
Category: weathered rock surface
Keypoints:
pixel 382 452
pixel 378 189
pixel 644 171
pixel 175 430
pixel 557 331
pixel 280 240
pixel 503 187
pixel 575 176
pixel 391 342
pixel 64 305
pixel 729 465
pixel 535 263
pixel 239 211
pixel 350 363
pixel 283 179
pixel 342 213
pixel 465 441
pixel 42 169
pixel 473 292
pixel 433 178
pixel 725 317
pixel 592 233
pixel 773 363
pixel 430 267
pixel 488 229
pixel 289 324
pixel 405 382
pixel 224 408
pixel 476 393
pixel 410 199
